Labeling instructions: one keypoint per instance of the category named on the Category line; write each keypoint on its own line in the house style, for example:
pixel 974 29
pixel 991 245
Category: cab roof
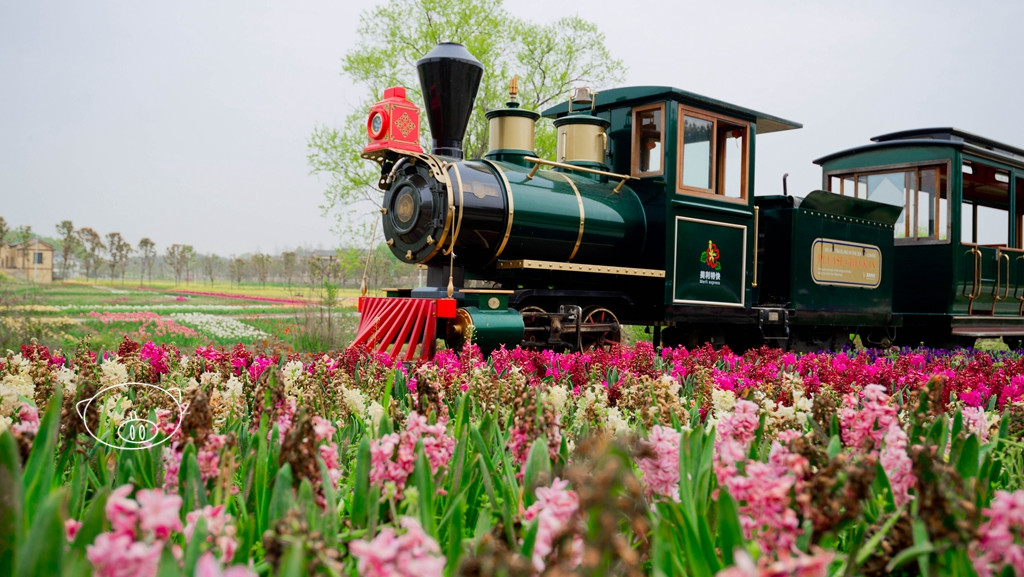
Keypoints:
pixel 636 95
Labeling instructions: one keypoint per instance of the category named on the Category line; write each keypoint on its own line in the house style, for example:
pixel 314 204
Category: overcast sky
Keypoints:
pixel 187 121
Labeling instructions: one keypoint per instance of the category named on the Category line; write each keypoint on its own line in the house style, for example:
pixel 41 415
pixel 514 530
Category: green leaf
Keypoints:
pixel 92 521
pixel 293 564
pixel 281 499
pixel 868 549
pixel 967 464
pixel 530 539
pixel 537 462
pixel 835 445
pixel 193 547
pixel 425 486
pixel 39 469
pixel 362 485
pixel 730 535
pixel 42 554
pixel 909 554
pixel 11 527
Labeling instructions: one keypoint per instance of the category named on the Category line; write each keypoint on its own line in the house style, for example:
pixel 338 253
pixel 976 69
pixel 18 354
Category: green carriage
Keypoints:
pixel 958 243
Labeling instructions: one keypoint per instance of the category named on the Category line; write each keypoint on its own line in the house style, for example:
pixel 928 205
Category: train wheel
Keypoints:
pixel 536 326
pixel 599 328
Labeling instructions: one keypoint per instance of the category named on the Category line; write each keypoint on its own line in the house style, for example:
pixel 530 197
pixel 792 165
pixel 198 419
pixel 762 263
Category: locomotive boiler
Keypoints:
pixel 647 216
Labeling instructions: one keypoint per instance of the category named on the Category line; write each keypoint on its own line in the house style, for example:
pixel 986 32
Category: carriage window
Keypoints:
pixel 713 154
pixel 922 192
pixel 648 141
pixel 984 215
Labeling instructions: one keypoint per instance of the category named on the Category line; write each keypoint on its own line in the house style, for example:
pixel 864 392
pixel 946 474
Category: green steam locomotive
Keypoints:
pixel 648 217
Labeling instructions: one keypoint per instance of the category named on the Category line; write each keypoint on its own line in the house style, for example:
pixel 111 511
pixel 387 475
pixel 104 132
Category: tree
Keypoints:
pixel 91 246
pixel 549 58
pixel 236 268
pixel 147 249
pixel 4 229
pixel 179 258
pixel 118 251
pixel 24 234
pixel 69 245
pixel 261 264
pixel 288 260
pixel 210 264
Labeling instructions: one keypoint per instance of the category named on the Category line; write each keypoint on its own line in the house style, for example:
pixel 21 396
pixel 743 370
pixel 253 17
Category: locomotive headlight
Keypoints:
pixel 375 124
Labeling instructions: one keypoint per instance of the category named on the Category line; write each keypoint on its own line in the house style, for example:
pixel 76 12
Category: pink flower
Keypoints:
pixel 71 528
pixel 1000 541
pixel 158 512
pixel 119 555
pixel 209 566
pixel 121 511
pixel 555 510
pixel 412 554
pixel 661 472
pixel 322 428
pixel 897 464
pixel 393 456
pixel 868 423
pixel 29 417
pixel 219 529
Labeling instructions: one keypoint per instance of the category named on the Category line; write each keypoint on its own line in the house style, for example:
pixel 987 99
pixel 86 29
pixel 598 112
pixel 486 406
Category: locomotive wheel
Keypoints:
pixel 534 326
pixel 600 328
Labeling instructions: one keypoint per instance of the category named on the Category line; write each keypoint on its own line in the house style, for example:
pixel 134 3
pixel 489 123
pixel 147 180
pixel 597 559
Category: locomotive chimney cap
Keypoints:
pixel 449 76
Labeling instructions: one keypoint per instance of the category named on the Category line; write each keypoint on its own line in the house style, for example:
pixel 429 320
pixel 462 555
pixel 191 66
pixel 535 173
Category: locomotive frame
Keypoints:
pixel 648 217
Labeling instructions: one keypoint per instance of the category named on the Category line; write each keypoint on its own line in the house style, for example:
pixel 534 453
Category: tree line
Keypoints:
pixel 85 252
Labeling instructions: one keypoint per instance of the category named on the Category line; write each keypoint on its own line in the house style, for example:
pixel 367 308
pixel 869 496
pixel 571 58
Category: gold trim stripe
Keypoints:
pixel 511 209
pixel 583 217
pixel 574 267
pixel 451 208
pixel 443 178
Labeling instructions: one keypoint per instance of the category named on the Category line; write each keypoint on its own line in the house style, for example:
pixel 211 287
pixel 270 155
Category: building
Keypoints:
pixel 30 260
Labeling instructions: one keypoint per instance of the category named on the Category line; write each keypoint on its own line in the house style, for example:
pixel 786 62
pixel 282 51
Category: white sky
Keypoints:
pixel 187 121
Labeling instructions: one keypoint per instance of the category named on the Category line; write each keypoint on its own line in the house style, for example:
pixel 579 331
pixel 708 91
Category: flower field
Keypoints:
pixel 147 460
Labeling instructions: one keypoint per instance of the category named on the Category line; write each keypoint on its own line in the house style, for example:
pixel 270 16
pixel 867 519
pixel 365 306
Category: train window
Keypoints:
pixel 712 154
pixel 985 215
pixel 921 191
pixel 649 140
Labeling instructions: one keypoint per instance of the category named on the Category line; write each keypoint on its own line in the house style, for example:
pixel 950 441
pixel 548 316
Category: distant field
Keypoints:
pixel 186 316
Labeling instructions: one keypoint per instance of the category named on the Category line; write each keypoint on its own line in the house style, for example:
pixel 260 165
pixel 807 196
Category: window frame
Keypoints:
pixel 718 176
pixel 854 175
pixel 634 165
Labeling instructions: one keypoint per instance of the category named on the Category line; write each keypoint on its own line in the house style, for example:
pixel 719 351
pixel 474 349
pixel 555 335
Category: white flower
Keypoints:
pixel 615 423
pixel 210 379
pixel 220 327
pixel 290 373
pixel 354 401
pixel 66 380
pixel 113 373
pixel 10 387
pixel 233 388
pixel 375 414
pixel 556 396
pixel 5 423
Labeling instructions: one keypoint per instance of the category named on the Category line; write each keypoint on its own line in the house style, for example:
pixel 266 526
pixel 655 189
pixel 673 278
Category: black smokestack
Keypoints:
pixel 450 77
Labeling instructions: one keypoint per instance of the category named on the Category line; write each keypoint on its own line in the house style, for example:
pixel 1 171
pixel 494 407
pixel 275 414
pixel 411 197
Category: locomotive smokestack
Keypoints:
pixel 450 77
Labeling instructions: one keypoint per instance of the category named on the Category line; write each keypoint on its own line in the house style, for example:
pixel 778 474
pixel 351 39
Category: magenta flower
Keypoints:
pixel 411 554
pixel 71 528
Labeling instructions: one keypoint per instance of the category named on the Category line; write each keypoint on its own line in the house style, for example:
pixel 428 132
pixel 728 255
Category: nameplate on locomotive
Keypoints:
pixel 845 263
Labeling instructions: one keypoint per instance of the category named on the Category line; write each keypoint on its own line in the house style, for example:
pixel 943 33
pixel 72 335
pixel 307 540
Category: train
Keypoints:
pixel 647 216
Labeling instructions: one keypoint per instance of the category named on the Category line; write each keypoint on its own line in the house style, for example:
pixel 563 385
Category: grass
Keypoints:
pixel 61 314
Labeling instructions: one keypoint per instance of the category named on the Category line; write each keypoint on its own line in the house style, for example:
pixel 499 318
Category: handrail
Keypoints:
pixel 756 212
pixel 1000 255
pixel 976 287
pixel 539 161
